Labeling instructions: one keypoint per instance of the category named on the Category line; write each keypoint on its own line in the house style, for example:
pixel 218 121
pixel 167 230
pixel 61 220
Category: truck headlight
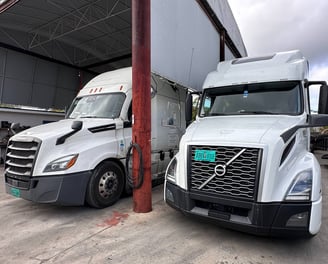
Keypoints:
pixel 301 187
pixel 171 170
pixel 63 163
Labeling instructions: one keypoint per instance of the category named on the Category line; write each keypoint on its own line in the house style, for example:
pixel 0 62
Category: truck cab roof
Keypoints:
pixel 281 66
pixel 114 81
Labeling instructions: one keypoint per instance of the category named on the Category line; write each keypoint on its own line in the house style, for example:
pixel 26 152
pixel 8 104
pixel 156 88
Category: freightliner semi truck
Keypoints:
pixel 245 163
pixel 82 158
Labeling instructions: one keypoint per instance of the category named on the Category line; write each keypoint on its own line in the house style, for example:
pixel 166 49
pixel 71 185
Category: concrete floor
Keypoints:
pixel 38 233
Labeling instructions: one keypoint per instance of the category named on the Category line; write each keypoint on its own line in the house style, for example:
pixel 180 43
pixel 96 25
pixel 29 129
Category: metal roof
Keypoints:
pixel 94 35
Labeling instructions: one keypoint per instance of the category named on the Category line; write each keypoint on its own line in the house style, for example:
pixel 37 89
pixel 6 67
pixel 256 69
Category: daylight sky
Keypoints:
pixel 269 26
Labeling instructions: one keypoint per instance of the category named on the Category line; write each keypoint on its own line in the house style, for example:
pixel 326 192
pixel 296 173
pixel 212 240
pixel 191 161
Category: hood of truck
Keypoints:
pixel 257 129
pixel 59 128
pixel 96 139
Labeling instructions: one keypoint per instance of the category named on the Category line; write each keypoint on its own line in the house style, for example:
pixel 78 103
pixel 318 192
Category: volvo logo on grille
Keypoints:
pixel 220 169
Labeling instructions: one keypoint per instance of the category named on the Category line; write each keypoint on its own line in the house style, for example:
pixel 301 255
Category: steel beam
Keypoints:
pixel 224 36
pixel 78 19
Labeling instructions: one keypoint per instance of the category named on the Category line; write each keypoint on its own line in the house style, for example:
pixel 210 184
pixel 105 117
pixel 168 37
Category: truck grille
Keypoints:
pixel 20 160
pixel 239 179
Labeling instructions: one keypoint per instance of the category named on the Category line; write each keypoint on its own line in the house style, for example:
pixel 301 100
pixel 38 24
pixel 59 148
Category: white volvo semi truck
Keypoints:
pixel 245 162
pixel 82 158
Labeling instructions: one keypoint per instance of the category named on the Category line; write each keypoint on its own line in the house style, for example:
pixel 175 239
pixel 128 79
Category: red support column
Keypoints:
pixel 141 131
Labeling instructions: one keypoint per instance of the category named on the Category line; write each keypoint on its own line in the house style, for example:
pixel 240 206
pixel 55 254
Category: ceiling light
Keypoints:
pixel 5 4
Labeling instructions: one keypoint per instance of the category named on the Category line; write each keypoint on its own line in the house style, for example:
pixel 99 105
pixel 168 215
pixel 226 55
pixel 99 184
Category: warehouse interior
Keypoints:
pixel 49 49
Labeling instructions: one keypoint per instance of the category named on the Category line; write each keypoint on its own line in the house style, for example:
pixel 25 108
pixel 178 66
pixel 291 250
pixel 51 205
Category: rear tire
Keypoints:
pixel 106 185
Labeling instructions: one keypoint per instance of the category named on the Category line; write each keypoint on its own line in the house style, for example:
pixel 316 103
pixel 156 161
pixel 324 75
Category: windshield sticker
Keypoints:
pixel 245 94
pixel 205 155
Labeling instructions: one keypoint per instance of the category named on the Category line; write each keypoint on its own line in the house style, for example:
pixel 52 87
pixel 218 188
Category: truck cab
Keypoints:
pixel 82 158
pixel 245 162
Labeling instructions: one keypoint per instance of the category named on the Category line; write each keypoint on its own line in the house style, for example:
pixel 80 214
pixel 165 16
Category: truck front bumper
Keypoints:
pixel 267 219
pixel 65 189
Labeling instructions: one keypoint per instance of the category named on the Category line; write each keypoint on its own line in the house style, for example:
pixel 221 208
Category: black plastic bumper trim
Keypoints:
pixel 64 189
pixel 266 219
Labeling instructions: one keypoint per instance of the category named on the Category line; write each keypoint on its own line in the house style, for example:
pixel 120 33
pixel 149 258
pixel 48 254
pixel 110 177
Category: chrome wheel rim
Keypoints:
pixel 108 184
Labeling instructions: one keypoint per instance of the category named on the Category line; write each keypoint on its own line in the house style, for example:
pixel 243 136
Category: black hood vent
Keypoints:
pixel 287 150
pixel 102 128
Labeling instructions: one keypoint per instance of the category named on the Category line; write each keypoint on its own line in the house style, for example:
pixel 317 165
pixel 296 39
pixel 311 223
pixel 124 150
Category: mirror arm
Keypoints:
pixel 288 134
pixel 309 83
pixel 76 126
pixel 314 121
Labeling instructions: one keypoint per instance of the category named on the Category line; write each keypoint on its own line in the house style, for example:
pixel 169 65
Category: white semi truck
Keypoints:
pixel 82 158
pixel 245 162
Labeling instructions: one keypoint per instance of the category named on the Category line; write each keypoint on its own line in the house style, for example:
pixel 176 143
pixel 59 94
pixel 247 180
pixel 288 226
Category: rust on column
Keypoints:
pixel 141 130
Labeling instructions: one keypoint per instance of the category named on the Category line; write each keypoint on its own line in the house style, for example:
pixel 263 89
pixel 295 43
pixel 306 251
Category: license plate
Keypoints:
pixel 205 155
pixel 15 192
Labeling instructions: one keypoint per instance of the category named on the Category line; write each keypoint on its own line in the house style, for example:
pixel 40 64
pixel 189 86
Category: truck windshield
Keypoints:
pixel 97 106
pixel 260 98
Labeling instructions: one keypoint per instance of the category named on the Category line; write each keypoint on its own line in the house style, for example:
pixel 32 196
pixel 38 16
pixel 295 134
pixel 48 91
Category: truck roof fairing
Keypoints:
pixel 281 66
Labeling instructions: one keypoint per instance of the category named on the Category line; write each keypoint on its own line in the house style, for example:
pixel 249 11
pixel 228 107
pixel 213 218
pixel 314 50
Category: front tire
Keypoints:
pixel 105 186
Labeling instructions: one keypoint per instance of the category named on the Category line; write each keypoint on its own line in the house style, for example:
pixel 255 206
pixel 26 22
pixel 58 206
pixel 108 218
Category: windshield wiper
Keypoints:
pixel 256 112
pixel 89 116
pixel 217 114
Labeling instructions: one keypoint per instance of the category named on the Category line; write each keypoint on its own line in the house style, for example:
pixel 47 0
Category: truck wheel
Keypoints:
pixel 105 186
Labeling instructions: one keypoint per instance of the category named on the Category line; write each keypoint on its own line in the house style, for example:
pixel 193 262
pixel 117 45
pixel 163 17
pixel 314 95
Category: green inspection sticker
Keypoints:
pixel 205 155
pixel 15 192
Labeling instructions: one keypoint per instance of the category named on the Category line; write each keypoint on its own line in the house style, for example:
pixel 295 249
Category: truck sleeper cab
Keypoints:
pixel 81 159
pixel 245 162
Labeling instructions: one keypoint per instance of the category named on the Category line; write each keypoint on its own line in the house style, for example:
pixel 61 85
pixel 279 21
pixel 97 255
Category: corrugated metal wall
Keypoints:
pixel 30 81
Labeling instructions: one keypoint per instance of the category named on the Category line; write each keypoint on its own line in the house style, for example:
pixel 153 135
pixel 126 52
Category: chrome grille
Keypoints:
pixel 20 158
pixel 238 181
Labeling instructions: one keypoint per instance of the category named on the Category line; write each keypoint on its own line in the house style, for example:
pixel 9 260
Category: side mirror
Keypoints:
pixel 192 103
pixel 189 109
pixel 77 125
pixel 314 121
pixel 319 120
pixel 323 100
